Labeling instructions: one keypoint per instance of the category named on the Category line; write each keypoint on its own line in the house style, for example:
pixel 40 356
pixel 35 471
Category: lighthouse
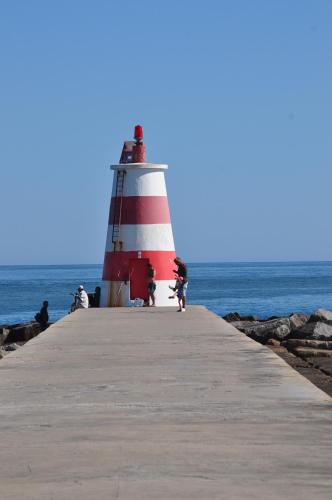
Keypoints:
pixel 139 231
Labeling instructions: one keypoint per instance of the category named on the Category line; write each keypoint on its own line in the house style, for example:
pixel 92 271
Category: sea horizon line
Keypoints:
pixel 207 262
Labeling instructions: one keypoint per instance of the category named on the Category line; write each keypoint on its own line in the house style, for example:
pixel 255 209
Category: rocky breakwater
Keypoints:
pixel 13 336
pixel 306 336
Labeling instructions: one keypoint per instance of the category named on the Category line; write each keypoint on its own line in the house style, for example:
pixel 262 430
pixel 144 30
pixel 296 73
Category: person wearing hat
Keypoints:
pixel 82 298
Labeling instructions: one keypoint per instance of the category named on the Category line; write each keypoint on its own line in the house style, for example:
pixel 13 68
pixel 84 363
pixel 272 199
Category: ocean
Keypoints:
pixel 260 288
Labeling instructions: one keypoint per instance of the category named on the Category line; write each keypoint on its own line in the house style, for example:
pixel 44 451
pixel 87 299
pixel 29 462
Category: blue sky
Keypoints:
pixel 234 95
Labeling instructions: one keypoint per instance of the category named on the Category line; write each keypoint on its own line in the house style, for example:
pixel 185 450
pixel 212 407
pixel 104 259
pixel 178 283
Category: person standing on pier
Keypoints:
pixel 151 285
pixel 182 272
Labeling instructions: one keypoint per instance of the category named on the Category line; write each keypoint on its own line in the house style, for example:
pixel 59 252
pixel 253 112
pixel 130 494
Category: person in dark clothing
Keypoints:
pixel 182 268
pixel 42 316
pixel 94 298
pixel 182 272
pixel 151 285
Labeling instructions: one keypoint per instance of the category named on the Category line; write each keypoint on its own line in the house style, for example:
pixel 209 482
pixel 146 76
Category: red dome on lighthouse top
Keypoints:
pixel 138 135
pixel 139 154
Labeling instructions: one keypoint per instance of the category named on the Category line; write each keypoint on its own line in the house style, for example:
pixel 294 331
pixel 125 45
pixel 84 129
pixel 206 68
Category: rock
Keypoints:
pixel 249 318
pixel 273 342
pixel 298 320
pixel 243 326
pixel 308 352
pixel 3 327
pixel 233 316
pixel 11 347
pixel 22 333
pixel 321 315
pixel 311 330
pixel 262 331
pixel 3 353
pixel 324 364
pixel 4 330
pixel 290 344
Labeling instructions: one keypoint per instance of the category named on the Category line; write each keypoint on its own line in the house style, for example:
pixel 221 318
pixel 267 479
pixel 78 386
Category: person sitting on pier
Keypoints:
pixel 82 298
pixel 42 316
pixel 94 298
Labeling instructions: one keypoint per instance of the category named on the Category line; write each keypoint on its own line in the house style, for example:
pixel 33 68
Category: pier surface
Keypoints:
pixel 152 404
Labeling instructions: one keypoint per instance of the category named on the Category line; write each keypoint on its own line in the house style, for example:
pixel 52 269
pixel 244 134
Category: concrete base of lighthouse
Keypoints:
pixel 117 294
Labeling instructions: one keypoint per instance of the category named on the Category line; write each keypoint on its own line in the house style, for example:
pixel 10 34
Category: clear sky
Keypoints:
pixel 234 95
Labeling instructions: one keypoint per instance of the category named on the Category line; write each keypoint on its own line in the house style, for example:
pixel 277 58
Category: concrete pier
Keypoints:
pixel 153 404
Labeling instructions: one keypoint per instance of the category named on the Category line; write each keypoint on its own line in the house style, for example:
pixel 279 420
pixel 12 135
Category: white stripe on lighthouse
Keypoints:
pixel 137 237
pixel 142 182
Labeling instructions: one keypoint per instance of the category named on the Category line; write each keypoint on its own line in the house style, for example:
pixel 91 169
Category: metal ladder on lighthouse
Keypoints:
pixel 117 244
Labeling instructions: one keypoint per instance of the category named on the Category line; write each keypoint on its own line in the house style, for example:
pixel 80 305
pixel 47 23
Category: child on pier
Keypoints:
pixel 179 292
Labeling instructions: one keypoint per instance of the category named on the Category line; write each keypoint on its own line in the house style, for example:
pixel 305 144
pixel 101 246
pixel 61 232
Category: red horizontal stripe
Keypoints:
pixel 116 264
pixel 140 210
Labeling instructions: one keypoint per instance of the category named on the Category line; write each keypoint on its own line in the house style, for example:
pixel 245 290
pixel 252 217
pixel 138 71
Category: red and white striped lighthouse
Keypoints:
pixel 139 230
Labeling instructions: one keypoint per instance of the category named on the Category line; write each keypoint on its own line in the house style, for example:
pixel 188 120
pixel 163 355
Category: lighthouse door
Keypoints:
pixel 138 279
